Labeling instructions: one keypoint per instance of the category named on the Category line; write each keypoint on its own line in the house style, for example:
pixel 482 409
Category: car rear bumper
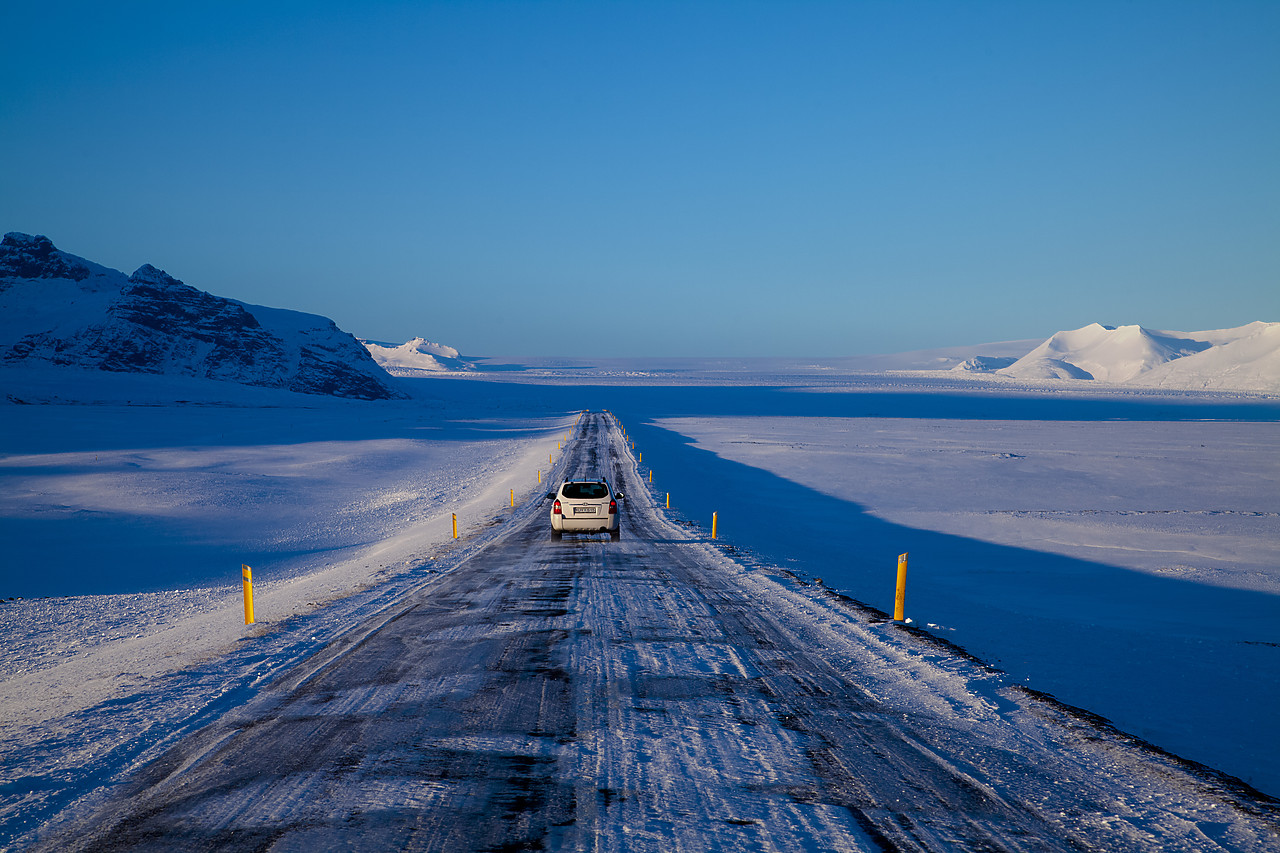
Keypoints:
pixel 596 523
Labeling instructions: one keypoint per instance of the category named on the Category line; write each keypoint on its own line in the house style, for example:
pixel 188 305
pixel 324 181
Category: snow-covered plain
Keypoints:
pixel 1118 550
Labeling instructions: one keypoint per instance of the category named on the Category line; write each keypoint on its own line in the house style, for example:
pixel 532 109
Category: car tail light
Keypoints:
pixel 555 508
pixel 613 507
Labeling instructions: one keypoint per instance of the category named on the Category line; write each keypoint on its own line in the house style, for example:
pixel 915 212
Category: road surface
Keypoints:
pixel 652 694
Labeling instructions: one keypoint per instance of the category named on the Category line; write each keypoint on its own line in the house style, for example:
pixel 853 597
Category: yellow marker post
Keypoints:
pixel 246 574
pixel 651 476
pixel 513 497
pixel 539 475
pixel 715 517
pixel 641 459
pixel 455 525
pixel 668 500
pixel 900 596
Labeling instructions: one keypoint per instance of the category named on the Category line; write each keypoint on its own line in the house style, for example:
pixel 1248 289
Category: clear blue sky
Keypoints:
pixel 650 178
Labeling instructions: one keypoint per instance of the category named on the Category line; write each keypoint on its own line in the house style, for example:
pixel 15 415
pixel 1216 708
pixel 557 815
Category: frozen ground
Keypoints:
pixel 1118 550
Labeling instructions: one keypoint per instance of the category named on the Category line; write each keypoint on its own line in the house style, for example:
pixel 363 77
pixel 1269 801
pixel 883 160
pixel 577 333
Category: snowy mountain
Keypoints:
pixel 1246 358
pixel 1247 361
pixel 416 356
pixel 1103 352
pixel 59 309
pixel 984 363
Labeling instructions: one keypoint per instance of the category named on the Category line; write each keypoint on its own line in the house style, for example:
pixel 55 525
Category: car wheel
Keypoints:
pixel 556 534
pixel 615 534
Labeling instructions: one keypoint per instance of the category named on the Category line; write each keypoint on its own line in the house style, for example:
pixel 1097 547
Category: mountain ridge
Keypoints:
pixel 61 309
pixel 1244 358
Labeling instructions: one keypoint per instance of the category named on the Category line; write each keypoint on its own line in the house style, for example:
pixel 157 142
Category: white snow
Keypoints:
pixel 1108 354
pixel 125 526
pixel 415 357
pixel 1197 500
pixel 1246 358
pixel 1165 614
pixel 152 323
pixel 985 363
pixel 1242 359
pixel 1128 564
pixel 944 358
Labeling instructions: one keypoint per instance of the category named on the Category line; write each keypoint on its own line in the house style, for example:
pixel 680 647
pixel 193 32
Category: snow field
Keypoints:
pixel 1191 499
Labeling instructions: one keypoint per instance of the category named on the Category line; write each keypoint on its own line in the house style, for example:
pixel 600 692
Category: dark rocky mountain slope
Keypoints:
pixel 64 310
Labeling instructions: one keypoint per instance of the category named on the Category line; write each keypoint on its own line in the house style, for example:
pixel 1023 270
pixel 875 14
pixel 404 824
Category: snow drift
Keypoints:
pixel 62 310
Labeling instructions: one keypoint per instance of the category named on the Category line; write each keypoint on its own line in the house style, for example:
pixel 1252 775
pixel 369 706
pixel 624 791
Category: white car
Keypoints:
pixel 584 506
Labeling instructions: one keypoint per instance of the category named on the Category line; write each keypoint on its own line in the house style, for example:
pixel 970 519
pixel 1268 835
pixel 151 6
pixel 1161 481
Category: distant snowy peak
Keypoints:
pixel 416 356
pixel 1248 361
pixel 1108 353
pixel 984 363
pixel 59 309
pixel 1245 358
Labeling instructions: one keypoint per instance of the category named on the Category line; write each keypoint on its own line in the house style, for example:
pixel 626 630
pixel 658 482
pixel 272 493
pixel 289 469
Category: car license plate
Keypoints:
pixel 584 510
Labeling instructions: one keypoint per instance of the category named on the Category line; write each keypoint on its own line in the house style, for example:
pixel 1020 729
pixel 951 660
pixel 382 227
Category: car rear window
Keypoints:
pixel 585 491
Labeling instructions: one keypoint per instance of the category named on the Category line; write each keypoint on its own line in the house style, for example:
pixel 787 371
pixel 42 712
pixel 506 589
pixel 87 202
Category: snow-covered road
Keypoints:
pixel 654 694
